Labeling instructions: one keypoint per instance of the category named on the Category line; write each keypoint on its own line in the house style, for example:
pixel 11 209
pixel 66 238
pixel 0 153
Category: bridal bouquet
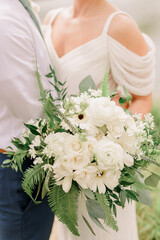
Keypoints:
pixel 87 146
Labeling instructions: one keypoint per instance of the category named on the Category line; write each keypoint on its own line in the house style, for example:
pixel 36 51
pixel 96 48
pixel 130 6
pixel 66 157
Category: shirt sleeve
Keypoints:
pixel 18 84
pixel 136 73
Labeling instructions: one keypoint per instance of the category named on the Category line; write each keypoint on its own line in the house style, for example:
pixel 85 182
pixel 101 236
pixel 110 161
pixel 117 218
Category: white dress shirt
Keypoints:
pixel 21 46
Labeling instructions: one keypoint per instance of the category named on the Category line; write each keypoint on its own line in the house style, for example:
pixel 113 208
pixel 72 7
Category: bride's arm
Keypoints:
pixel 124 30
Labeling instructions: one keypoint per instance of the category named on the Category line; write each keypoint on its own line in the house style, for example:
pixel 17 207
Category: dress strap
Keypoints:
pixel 109 20
pixel 53 14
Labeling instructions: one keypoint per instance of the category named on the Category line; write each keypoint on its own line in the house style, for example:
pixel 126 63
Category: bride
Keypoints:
pixel 85 39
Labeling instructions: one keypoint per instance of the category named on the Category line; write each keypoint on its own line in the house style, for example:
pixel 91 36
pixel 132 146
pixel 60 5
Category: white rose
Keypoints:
pixel 128 160
pixel 55 144
pixel 109 154
pixel 74 146
pixel 75 161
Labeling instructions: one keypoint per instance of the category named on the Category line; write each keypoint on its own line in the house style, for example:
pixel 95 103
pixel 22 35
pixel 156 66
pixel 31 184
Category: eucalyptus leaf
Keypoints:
pixel 144 197
pixel 94 209
pixel 123 198
pixel 86 84
pixel 88 193
pixel 98 223
pixel 88 225
pixel 152 180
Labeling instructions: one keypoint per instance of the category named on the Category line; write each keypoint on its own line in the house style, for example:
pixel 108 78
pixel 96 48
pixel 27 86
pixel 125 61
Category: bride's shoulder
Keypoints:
pixel 50 15
pixel 125 30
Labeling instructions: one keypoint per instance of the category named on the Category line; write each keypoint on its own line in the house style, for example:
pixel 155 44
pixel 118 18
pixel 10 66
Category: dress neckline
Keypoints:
pixel 104 32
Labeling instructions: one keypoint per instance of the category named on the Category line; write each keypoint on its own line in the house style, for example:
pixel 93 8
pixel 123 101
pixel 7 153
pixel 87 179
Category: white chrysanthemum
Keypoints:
pixel 109 155
pixel 38 161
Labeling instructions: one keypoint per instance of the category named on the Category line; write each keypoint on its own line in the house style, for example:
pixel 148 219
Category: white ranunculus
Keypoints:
pixel 116 128
pixel 100 110
pixel 128 160
pixel 109 155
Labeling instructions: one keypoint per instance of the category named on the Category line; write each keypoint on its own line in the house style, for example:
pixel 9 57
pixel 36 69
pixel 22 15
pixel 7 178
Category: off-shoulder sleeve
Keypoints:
pixel 136 73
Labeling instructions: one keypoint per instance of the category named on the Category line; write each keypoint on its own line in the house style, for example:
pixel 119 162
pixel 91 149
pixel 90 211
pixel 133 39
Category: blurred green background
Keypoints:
pixel 147 15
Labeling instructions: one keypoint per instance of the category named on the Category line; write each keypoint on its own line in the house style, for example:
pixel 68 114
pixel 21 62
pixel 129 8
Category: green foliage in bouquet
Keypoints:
pixel 65 205
pixel 38 144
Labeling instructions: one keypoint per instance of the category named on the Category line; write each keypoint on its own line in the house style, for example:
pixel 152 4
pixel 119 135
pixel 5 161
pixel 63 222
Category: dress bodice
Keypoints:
pixel 126 68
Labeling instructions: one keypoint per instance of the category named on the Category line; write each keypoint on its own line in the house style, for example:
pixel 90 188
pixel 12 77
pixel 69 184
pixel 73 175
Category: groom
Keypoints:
pixel 21 46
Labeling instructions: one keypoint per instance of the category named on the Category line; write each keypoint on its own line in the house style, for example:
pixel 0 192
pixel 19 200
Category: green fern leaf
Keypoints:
pixel 33 176
pixel 105 86
pixel 109 220
pixel 65 205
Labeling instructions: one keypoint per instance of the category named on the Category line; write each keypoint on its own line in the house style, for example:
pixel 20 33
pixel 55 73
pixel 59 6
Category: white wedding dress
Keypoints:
pixel 125 69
